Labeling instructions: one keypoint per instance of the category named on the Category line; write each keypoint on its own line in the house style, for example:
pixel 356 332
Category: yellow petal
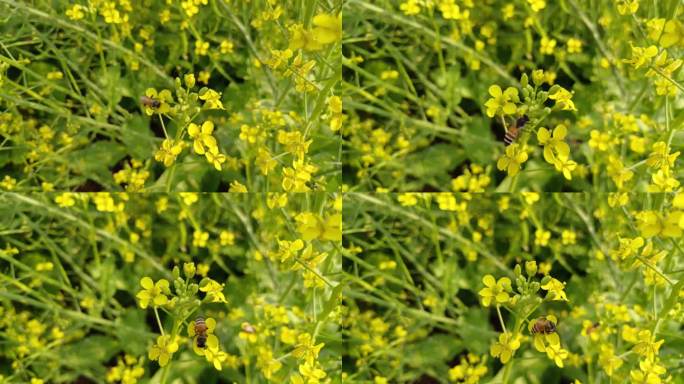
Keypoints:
pixel 163 359
pixel 163 285
pixel 153 354
pixel 521 157
pixel 563 149
pixel 172 347
pixel 207 127
pixel 144 303
pixel 504 282
pixel 509 108
pixel 502 297
pixel 193 130
pixel 146 283
pixel 486 301
pixel 328 28
pixel 212 342
pixel 513 168
pixel 560 132
pixel 502 163
pixel 548 155
pixel 552 339
pixel 198 147
pixel 489 281
pixel 160 300
pixel 211 324
pixel 543 135
pixel 495 91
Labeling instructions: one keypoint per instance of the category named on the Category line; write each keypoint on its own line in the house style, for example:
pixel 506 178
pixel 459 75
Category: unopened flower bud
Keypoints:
pixel 189 270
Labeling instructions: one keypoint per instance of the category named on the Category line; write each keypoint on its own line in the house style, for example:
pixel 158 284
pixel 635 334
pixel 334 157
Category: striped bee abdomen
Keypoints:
pixel 511 135
pixel 201 332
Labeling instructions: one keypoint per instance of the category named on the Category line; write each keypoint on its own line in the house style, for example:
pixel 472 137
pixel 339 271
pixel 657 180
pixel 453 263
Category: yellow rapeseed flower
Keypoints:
pixel 502 102
pixel 505 348
pixel 203 139
pixel 512 159
pixel 154 293
pixel 495 290
pixel 555 290
pixel 163 349
pixel 327 28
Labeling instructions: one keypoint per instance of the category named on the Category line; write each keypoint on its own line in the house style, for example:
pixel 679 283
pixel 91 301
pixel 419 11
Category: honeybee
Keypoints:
pixel 593 328
pixel 201 332
pixel 150 102
pixel 514 129
pixel 248 328
pixel 544 326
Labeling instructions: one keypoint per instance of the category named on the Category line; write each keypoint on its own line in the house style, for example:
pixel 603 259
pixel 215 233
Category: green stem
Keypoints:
pixel 656 270
pixel 164 372
pixel 156 314
pixel 667 77
pixel 170 179
pixel 507 371
pixel 498 312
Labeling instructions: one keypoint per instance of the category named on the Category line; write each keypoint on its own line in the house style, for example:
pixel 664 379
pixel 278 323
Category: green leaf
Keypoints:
pixel 332 302
pixel 110 80
pixel 434 351
pixel 96 158
pixel 130 330
pixel 89 353
pixel 479 141
pixel 436 160
pixel 138 137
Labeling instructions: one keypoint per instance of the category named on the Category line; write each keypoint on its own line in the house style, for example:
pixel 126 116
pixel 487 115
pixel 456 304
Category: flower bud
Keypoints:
pixel 193 288
pixel 538 77
pixel 189 270
pixel 534 287
pixel 531 268
pixel 179 285
pixel 189 80
pixel 524 80
pixel 516 270
pixel 526 93
pixel 520 282
pixel 546 279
